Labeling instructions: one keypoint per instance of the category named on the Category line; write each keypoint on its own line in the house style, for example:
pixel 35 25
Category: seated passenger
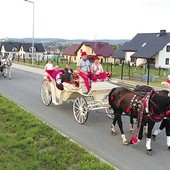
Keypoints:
pixel 57 72
pixel 84 68
pixel 167 82
pixel 69 68
pixel 97 69
pixel 66 77
pixel 48 66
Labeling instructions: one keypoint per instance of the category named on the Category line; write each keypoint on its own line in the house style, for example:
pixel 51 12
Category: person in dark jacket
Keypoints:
pixel 69 69
pixel 66 77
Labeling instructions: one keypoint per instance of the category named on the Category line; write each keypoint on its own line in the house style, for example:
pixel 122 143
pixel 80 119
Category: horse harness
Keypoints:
pixel 164 113
pixel 141 105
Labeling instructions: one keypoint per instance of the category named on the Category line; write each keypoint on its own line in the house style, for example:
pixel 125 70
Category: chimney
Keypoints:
pixel 162 32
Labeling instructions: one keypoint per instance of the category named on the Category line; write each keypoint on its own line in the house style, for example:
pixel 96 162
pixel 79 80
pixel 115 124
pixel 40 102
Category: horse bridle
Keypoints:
pixel 165 112
pixel 147 97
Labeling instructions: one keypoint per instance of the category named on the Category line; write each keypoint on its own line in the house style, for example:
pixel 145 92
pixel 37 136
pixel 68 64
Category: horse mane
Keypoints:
pixel 143 88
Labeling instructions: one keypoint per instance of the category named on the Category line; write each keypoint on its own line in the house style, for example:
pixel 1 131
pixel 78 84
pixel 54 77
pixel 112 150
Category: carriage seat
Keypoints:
pixel 69 87
pixel 75 83
pixel 55 74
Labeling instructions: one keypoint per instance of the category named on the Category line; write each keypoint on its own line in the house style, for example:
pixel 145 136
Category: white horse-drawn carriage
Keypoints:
pixel 76 92
pixel 5 66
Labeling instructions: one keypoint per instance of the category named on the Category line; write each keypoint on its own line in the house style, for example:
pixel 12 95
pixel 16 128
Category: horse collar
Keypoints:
pixel 135 103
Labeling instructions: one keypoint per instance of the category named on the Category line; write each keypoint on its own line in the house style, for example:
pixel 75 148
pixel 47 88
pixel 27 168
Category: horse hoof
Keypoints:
pixel 125 143
pixel 145 133
pixel 132 131
pixel 113 133
pixel 149 152
pixel 154 137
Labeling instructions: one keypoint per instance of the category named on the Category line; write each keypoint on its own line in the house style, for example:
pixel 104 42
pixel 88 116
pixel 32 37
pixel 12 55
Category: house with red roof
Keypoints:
pixel 102 49
pixel 70 53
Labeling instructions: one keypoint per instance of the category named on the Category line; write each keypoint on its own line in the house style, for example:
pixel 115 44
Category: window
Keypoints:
pixel 144 44
pixel 167 48
pixel 133 60
pixel 167 61
pixel 152 60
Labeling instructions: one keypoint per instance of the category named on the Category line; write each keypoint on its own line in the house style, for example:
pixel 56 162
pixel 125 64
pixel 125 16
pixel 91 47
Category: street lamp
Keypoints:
pixel 32 30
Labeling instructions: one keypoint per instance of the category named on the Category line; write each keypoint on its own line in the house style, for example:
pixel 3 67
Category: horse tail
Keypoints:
pixel 111 96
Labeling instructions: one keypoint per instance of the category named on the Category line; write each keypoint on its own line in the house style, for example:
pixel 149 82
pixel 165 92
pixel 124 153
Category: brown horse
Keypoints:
pixel 142 89
pixel 148 107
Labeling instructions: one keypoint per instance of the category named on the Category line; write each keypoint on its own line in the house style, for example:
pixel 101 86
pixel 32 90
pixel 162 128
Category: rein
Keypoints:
pixel 153 116
pixel 141 107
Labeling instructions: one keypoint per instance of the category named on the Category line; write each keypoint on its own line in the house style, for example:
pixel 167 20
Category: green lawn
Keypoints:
pixel 28 143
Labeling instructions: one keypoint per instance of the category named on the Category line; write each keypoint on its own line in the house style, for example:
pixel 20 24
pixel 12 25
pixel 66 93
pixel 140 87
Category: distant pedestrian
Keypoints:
pixel 167 82
pixel 49 65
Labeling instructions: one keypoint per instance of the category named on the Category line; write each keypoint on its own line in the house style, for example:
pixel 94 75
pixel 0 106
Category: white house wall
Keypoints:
pixel 140 61
pixel 127 56
pixel 162 57
pixel 157 62
pixel 110 60
pixel 38 56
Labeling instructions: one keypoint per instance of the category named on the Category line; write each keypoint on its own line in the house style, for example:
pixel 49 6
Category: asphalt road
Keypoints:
pixel 24 89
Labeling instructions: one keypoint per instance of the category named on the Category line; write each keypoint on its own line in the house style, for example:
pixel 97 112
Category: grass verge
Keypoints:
pixel 28 143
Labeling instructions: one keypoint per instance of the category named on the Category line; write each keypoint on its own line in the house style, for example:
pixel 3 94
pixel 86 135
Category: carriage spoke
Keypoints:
pixel 76 107
pixel 78 103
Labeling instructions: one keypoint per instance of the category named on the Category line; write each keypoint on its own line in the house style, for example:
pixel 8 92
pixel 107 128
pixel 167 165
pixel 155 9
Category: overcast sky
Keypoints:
pixel 83 19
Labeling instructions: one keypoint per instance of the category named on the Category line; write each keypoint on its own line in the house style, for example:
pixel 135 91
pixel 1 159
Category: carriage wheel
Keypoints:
pixel 80 110
pixel 46 93
pixel 110 112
